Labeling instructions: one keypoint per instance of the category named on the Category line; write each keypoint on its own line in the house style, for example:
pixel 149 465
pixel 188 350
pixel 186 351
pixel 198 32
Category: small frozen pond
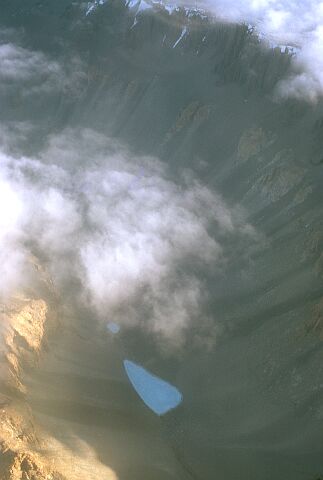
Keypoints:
pixel 159 395
pixel 113 327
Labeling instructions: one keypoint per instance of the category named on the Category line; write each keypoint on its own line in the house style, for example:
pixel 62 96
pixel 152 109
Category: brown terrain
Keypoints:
pixel 26 321
pixel 67 410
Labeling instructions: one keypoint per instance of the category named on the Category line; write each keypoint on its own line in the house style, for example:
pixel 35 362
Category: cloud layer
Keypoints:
pixel 297 23
pixel 116 223
pixel 26 74
pixel 115 231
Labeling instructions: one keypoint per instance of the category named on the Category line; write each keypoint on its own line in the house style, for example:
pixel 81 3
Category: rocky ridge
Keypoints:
pixel 26 321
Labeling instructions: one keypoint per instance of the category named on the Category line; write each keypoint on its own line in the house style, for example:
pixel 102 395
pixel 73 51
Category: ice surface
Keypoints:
pixel 158 395
pixel 180 37
pixel 113 327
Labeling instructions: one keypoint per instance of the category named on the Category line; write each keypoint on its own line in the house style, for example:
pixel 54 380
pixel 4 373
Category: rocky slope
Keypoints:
pixel 67 410
pixel 26 321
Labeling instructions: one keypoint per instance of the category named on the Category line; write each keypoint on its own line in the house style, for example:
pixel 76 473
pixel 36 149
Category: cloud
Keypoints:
pixel 297 23
pixel 307 80
pixel 11 255
pixel 133 239
pixel 28 69
pixel 27 73
pixel 115 230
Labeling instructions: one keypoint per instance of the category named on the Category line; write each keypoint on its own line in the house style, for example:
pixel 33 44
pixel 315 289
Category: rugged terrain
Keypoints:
pixel 26 322
pixel 200 96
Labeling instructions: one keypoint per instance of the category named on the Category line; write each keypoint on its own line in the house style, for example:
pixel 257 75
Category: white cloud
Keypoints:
pixel 25 72
pixel 132 237
pixel 114 224
pixel 287 22
pixel 307 81
pixel 28 69
pixel 12 253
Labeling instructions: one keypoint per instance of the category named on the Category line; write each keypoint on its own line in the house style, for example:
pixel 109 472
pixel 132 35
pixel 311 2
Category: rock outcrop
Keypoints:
pixel 25 323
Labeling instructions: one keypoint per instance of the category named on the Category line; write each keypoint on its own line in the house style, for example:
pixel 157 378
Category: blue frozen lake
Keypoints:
pixel 159 395
pixel 113 327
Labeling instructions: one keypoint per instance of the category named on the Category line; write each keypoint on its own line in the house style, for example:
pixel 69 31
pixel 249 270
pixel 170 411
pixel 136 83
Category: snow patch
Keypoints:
pixel 113 327
pixel 180 38
pixel 91 6
pixel 134 23
pixel 89 10
pixel 140 5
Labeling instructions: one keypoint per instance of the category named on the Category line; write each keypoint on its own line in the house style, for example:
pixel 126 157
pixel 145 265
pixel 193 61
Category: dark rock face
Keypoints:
pixel 252 404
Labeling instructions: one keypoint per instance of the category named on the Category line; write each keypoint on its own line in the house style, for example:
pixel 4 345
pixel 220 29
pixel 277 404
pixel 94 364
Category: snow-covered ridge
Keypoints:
pixel 138 6
pixel 141 5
